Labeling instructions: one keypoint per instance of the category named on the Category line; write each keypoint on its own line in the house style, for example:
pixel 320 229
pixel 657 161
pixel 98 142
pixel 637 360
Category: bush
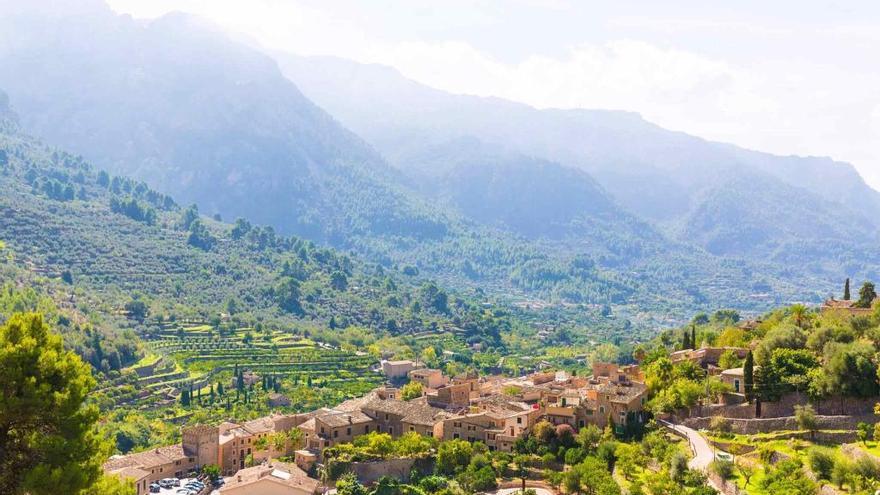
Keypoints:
pixel 677 466
pixel 821 463
pixel 840 472
pixel 724 469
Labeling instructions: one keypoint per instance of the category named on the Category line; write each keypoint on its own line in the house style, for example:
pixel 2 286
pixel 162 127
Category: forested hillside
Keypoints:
pixel 217 124
pixel 684 185
pixel 176 103
pixel 122 249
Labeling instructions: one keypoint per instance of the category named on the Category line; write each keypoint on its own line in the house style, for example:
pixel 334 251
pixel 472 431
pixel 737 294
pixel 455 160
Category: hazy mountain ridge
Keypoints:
pixel 649 170
pixel 225 129
pixel 667 177
pixel 174 102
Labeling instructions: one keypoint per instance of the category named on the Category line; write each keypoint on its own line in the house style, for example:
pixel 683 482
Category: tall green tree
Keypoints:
pixel 846 295
pixel 867 294
pixel 47 435
pixel 749 377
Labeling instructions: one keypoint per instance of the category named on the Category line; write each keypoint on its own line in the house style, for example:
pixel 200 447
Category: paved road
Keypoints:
pixel 703 453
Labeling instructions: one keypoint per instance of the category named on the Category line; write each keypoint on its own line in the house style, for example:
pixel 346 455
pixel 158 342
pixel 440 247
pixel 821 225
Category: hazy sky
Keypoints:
pixel 790 77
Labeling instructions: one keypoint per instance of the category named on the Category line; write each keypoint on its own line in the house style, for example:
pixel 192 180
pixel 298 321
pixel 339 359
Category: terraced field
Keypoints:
pixel 197 357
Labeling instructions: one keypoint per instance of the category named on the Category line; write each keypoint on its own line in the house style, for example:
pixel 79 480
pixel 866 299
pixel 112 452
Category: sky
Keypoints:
pixel 787 77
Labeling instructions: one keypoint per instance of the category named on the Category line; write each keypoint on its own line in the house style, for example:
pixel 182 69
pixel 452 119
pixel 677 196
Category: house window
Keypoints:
pixel 348 431
pixel 601 409
pixel 391 430
pixel 519 420
pixel 386 417
pixel 412 428
pixel 581 423
pixel 456 436
pixel 736 385
pixel 366 428
pixel 335 433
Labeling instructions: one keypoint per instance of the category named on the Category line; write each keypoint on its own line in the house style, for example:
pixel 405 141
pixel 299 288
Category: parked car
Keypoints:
pixel 166 483
pixel 155 488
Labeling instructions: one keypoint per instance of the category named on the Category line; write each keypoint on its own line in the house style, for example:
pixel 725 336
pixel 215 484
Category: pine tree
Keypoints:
pixel 846 295
pixel 867 294
pixel 749 377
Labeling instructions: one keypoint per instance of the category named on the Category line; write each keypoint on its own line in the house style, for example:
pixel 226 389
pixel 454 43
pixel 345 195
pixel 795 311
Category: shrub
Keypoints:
pixel 677 466
pixel 841 471
pixel 724 469
pixel 821 463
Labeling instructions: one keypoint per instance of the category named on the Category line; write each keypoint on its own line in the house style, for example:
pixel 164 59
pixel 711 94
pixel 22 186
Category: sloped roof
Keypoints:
pixel 415 412
pixel 275 472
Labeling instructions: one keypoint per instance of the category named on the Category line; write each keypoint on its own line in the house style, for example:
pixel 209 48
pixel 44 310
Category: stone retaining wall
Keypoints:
pixel 399 469
pixel 834 406
pixel 764 425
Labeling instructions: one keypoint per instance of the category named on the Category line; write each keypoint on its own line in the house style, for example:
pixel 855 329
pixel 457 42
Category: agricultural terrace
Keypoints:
pixel 193 369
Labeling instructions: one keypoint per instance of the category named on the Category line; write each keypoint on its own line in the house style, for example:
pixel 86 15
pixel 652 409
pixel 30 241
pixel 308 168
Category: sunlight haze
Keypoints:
pixel 789 78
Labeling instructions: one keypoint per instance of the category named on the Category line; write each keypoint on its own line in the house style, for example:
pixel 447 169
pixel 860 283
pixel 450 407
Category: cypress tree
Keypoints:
pixel 749 376
pixel 694 336
pixel 846 295
pixel 685 340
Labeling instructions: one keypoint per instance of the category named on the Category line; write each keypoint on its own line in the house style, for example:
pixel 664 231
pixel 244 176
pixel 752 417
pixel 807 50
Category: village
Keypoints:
pixel 306 453
pixel 496 411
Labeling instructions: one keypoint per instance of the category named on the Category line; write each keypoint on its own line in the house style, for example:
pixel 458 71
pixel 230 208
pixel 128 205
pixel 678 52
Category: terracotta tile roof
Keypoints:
pixel 132 472
pixel 148 459
pixel 274 472
pixel 308 425
pixel 335 419
pixel 260 425
pixel 413 412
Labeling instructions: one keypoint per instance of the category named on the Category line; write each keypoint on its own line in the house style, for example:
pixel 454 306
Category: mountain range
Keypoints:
pixel 590 206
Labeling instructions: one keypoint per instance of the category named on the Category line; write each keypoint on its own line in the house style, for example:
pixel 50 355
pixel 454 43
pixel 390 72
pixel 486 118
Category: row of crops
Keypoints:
pixel 194 355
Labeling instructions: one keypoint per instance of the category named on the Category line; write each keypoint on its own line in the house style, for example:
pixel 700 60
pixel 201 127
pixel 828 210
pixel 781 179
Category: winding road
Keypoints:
pixel 703 453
